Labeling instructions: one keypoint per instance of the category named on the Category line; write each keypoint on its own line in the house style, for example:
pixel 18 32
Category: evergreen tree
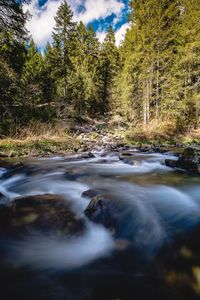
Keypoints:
pixel 83 79
pixel 154 75
pixel 108 68
pixel 128 99
pixel 93 47
pixel 12 55
pixel 50 74
pixel 12 17
pixel 63 46
pixel 188 64
pixel 32 76
pixel 153 41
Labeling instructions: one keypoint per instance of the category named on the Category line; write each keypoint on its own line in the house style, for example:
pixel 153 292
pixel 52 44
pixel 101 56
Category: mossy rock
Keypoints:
pixel 44 213
pixel 192 154
pixel 189 160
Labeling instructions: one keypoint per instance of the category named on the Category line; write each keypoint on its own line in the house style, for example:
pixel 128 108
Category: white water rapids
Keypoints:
pixel 154 211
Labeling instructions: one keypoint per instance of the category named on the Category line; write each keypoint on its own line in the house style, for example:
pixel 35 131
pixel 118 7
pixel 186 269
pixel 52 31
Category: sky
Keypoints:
pixel 98 13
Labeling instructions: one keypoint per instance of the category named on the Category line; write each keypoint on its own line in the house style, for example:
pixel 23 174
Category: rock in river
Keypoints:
pixel 118 216
pixel 87 155
pixel 90 193
pixel 45 213
pixel 130 224
pixel 189 160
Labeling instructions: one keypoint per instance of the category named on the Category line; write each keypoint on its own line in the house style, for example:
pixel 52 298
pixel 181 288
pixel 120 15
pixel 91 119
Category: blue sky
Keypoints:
pixel 98 13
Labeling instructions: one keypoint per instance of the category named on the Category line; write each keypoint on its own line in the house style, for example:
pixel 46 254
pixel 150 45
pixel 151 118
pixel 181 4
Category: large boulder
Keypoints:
pixel 118 216
pixel 135 232
pixel 102 210
pixel 189 160
pixel 45 213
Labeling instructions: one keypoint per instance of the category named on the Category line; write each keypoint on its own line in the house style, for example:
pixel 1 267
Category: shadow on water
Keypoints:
pixel 139 237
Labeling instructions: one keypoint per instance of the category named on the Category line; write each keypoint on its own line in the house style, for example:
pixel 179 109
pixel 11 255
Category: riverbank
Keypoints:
pixel 38 146
pixel 95 136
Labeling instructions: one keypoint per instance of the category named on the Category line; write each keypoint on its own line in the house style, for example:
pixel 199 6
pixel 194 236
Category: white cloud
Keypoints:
pixel 120 33
pixel 42 22
pixel 95 10
pixel 101 35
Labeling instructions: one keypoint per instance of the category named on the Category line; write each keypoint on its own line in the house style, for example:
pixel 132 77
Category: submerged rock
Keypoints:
pixel 45 213
pixel 127 157
pixel 90 193
pixel 87 155
pixel 189 160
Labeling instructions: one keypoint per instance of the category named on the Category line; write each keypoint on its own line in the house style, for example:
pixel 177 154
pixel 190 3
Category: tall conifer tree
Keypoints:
pixel 63 37
pixel 109 63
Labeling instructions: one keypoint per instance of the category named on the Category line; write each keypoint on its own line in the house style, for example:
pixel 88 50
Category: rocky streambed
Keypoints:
pixel 123 224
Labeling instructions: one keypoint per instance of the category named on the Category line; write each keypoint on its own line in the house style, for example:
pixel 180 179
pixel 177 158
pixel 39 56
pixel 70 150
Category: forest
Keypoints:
pixel 151 82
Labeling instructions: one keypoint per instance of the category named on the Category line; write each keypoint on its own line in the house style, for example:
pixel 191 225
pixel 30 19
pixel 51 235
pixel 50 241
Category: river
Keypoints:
pixel 140 237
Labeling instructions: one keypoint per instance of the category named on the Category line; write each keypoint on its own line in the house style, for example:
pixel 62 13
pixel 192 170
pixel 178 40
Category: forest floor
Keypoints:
pixel 102 135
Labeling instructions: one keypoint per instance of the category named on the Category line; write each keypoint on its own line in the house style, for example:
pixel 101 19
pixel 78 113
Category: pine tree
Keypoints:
pixel 12 18
pixel 63 37
pixel 155 38
pixel 84 76
pixel 93 47
pixel 12 55
pixel 129 92
pixel 109 64
pixel 50 74
pixel 188 64
pixel 32 75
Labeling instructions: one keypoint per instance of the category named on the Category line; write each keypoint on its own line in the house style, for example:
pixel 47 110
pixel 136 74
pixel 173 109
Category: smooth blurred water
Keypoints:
pixel 158 212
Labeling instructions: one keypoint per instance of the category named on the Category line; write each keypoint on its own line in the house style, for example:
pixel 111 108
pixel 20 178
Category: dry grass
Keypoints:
pixel 164 132
pixel 38 139
pixel 37 129
pixel 156 131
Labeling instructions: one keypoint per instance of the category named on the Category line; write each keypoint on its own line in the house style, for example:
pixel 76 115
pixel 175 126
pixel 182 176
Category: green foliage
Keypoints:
pixel 108 68
pixel 160 77
pixel 84 76
pixel 152 78
pixel 32 76
pixel 12 18
pixel 63 46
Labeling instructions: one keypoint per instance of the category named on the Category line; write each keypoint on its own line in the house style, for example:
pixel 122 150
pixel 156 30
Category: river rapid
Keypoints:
pixel 151 247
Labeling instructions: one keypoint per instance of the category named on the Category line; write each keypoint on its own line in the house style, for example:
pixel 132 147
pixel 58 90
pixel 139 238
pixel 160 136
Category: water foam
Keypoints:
pixel 42 252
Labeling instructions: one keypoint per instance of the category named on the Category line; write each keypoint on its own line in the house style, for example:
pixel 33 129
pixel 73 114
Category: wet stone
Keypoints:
pixel 44 213
pixel 125 155
pixel 87 155
pixel 90 193
pixel 189 160
pixel 128 158
pixel 103 210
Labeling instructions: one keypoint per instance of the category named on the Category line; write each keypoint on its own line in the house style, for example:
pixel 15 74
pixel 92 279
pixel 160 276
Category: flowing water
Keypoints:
pixel 158 213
